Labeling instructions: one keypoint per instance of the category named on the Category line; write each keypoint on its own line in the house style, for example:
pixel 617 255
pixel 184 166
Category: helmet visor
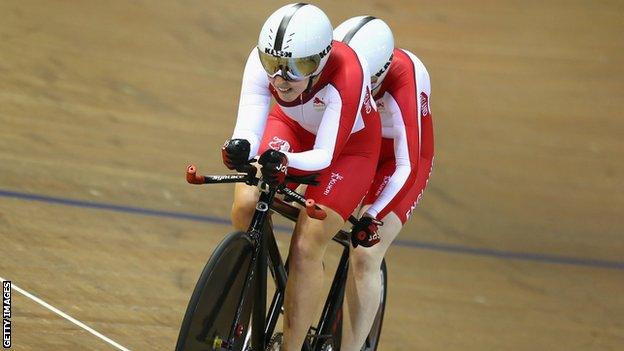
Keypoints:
pixel 288 67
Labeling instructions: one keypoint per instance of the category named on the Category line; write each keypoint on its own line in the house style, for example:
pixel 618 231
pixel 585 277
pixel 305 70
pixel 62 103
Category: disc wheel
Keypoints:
pixel 372 340
pixel 208 323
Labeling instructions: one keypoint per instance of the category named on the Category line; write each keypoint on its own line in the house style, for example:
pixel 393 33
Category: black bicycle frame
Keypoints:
pixel 332 310
pixel 266 254
pixel 257 230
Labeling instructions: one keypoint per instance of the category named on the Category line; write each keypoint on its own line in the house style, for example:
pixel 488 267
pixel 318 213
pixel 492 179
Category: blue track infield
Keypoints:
pixel 448 248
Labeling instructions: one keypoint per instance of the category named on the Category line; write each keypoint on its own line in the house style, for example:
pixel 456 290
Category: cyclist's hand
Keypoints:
pixel 235 154
pixel 274 165
pixel 365 232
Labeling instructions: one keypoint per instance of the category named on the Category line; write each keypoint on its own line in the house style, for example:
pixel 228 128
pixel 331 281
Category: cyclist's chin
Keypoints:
pixel 289 96
pixel 291 91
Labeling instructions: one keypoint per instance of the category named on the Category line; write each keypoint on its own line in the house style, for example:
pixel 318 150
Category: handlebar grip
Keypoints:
pixel 192 177
pixel 314 211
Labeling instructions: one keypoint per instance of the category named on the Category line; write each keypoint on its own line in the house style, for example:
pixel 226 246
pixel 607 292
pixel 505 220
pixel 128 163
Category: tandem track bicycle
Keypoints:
pixel 228 307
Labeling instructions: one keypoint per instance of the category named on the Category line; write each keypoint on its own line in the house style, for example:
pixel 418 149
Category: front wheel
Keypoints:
pixel 219 310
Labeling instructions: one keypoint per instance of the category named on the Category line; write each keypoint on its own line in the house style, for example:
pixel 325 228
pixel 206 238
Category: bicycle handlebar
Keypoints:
pixel 192 177
pixel 312 210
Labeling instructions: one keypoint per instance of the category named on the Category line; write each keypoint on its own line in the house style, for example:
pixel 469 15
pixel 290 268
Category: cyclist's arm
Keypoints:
pixel 340 119
pixel 333 133
pixel 405 120
pixel 409 145
pixel 253 107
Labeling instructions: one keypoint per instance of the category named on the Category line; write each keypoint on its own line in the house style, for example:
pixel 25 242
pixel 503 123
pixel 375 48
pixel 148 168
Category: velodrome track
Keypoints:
pixel 517 245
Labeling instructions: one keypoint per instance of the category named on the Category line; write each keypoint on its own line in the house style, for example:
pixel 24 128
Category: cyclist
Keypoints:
pixel 325 121
pixel 401 89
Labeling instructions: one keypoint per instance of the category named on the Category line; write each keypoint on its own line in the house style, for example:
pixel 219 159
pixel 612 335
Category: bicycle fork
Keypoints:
pixel 255 280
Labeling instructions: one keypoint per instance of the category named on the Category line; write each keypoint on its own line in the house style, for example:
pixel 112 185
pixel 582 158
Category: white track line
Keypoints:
pixel 65 315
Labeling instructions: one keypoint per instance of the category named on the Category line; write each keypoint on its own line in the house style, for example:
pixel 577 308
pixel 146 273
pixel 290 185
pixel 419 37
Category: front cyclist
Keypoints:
pixel 401 89
pixel 324 121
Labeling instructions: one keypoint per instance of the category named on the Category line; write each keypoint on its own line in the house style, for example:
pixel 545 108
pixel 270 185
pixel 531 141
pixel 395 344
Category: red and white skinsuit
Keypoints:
pixel 334 129
pixel 406 156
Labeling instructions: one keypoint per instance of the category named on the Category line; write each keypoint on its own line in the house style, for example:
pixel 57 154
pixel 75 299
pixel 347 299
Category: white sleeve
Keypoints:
pixel 321 155
pixel 407 158
pixel 402 158
pixel 254 103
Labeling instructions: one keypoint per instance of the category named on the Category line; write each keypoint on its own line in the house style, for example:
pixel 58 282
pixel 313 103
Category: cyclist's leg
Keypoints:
pixel 363 289
pixel 342 186
pixel 305 274
pixel 244 205
pixel 364 283
pixel 280 134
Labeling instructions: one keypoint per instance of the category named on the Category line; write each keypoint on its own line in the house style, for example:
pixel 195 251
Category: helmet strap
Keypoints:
pixel 310 84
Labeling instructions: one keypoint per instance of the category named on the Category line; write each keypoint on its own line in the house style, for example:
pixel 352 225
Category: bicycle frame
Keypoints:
pixel 258 233
pixel 266 254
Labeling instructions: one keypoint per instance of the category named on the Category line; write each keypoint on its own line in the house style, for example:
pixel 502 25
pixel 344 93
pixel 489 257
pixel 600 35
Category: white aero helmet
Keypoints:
pixel 295 42
pixel 371 38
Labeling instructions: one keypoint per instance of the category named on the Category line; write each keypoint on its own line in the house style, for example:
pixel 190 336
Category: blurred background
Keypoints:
pixel 517 244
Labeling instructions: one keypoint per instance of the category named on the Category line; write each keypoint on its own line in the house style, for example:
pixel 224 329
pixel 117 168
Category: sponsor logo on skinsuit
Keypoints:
pixel 420 195
pixel 318 104
pixel 409 212
pixel 279 145
pixel 381 107
pixel 382 185
pixel 367 105
pixel 335 177
pixel 424 104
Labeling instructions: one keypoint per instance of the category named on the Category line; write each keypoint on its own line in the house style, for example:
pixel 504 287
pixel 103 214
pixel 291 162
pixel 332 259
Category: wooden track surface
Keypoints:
pixel 517 245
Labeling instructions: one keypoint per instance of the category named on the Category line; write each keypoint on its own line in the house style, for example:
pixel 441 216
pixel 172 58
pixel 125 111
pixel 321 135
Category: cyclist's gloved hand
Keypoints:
pixel 365 232
pixel 274 165
pixel 235 154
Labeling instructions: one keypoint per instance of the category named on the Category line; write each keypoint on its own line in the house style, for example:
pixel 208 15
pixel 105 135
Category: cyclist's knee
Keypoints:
pixel 243 207
pixel 304 249
pixel 312 236
pixel 242 211
pixel 366 260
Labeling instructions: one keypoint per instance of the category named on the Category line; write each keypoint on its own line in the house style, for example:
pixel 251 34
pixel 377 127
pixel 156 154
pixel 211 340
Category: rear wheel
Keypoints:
pixel 210 322
pixel 372 340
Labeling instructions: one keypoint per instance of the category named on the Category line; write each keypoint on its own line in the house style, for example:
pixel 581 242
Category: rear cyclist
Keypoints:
pixel 324 121
pixel 401 88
